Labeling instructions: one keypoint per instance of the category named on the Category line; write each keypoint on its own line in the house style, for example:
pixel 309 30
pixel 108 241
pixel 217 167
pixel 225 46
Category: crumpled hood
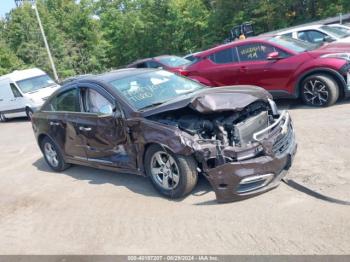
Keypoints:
pixel 215 99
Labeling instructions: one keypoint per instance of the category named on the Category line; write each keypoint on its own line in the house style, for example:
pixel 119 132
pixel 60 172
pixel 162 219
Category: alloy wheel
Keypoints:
pixel 51 154
pixel 315 92
pixel 165 170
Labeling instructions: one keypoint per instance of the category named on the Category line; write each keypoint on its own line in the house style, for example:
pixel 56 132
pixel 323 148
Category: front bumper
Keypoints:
pixel 246 178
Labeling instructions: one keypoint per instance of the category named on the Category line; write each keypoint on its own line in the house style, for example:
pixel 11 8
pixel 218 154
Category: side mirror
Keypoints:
pixel 273 56
pixel 328 39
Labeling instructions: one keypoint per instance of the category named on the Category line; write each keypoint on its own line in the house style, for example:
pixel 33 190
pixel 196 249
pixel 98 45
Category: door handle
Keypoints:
pixel 52 123
pixel 243 69
pixel 82 128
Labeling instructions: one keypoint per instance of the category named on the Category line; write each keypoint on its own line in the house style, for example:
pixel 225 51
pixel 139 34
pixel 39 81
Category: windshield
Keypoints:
pixel 173 61
pixel 35 83
pixel 153 88
pixel 334 31
pixel 293 44
pixel 343 29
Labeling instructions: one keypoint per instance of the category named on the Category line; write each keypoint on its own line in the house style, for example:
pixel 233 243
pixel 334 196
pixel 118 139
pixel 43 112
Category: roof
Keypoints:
pixel 18 75
pixel 113 75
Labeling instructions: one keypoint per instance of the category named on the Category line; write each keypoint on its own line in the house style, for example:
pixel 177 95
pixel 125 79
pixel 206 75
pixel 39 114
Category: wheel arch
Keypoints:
pixel 323 71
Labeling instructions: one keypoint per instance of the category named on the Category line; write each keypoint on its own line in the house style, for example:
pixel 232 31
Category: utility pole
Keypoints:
pixel 19 3
pixel 45 41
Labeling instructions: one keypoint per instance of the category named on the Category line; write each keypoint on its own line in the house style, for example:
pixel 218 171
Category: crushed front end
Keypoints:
pixel 242 151
pixel 240 172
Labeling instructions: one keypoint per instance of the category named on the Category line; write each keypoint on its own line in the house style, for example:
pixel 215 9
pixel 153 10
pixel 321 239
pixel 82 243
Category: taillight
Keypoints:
pixel 183 72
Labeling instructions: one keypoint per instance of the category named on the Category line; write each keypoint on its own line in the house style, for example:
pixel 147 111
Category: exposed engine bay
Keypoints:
pixel 231 128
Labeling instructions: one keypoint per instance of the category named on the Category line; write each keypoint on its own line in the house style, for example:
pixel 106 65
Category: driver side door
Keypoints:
pixel 107 142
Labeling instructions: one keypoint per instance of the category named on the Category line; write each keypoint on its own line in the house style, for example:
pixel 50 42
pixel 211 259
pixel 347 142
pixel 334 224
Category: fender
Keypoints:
pixel 338 77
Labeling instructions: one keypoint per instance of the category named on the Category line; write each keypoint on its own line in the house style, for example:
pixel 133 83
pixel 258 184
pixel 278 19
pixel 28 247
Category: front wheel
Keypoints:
pixel 29 113
pixel 52 155
pixel 319 90
pixel 2 117
pixel 172 175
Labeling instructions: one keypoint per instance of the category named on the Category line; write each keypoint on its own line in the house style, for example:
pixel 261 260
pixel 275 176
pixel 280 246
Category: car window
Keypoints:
pixel 312 36
pixel 153 88
pixel 173 61
pixel 302 36
pixel 226 56
pixel 153 64
pixel 254 52
pixel 15 91
pixel 97 103
pixel 141 65
pixel 65 102
pixel 35 83
pixel 288 35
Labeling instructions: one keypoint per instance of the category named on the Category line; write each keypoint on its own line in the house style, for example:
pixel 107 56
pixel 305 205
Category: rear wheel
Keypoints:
pixel 319 90
pixel 53 155
pixel 2 117
pixel 171 174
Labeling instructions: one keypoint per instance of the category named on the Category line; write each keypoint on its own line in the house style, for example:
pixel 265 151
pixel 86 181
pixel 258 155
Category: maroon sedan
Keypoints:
pixel 169 128
pixel 286 67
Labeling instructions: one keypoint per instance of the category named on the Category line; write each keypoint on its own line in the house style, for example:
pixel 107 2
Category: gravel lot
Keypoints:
pixel 89 211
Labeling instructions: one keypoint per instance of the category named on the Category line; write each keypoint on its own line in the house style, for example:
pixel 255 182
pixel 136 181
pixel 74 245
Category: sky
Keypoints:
pixel 6 6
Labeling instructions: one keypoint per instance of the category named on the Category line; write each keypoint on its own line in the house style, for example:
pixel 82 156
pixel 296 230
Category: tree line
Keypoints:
pixel 90 36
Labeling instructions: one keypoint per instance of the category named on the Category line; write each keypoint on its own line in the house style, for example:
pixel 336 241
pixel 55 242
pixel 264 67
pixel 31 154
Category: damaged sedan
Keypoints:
pixel 170 129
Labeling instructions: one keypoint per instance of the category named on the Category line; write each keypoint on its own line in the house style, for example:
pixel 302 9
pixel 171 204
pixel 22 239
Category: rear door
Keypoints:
pixel 104 129
pixel 221 67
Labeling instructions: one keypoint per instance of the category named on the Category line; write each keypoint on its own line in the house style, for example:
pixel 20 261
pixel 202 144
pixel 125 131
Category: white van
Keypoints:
pixel 22 92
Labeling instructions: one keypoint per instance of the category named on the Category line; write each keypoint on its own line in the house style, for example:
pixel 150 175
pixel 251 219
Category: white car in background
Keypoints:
pixel 22 92
pixel 317 34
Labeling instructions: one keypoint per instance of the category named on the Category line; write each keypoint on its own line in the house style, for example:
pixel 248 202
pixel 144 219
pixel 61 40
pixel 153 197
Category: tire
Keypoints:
pixel 319 90
pixel 58 164
pixel 178 183
pixel 2 118
pixel 29 113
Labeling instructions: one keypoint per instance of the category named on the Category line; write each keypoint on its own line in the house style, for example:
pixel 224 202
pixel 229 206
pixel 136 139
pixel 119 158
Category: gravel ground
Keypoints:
pixel 89 211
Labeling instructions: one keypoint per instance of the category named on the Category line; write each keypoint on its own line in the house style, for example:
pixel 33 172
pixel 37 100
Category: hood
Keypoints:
pixel 344 40
pixel 334 47
pixel 217 99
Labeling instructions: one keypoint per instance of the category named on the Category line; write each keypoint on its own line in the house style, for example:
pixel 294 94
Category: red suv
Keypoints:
pixel 286 67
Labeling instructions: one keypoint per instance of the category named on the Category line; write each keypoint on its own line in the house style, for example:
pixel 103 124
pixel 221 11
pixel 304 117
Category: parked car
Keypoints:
pixel 22 92
pixel 168 62
pixel 317 34
pixel 341 27
pixel 286 67
pixel 167 127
